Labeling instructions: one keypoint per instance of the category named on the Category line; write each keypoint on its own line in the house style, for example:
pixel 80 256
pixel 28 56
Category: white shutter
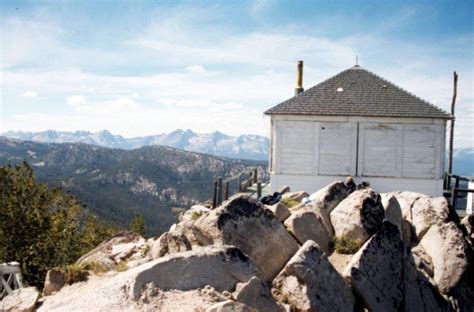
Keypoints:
pixel 296 147
pixel 378 150
pixel 420 151
pixel 337 148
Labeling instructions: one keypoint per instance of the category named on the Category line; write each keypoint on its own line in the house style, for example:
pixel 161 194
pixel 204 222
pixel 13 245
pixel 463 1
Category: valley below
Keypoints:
pixel 156 182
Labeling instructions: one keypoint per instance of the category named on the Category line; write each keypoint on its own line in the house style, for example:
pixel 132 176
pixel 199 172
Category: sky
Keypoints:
pixel 146 67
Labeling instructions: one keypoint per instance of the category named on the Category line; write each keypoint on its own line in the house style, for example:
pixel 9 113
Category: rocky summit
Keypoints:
pixel 339 249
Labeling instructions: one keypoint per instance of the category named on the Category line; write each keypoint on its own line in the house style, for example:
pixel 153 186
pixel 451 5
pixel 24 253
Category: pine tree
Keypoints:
pixel 40 227
pixel 138 224
pixel 94 232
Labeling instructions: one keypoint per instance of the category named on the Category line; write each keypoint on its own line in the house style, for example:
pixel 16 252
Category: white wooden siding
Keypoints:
pixel 295 147
pixel 378 150
pixel 386 149
pixel 337 148
pixel 419 153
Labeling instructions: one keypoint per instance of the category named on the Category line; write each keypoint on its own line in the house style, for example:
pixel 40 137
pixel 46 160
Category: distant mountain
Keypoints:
pixel 116 183
pixel 215 143
pixel 463 162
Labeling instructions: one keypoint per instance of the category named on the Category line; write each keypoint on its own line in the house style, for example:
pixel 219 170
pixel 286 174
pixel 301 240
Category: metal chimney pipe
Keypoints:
pixel 299 78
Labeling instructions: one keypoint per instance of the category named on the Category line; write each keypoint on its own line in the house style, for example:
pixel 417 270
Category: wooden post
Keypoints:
pixel 451 133
pixel 259 190
pixel 255 175
pixel 214 196
pixel 453 198
pixel 226 191
pixel 219 190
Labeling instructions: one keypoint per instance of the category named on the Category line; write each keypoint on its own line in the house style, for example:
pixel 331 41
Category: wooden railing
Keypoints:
pixel 11 279
pixel 245 179
pixel 453 191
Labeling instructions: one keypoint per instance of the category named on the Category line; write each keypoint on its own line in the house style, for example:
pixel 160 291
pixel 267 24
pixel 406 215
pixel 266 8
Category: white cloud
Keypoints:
pixel 196 69
pixel 199 104
pixel 119 105
pixel 76 101
pixel 258 6
pixel 30 93
pixel 232 79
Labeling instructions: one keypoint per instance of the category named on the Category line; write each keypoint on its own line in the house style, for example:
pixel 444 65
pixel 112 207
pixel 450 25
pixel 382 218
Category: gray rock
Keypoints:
pixel 393 211
pixel 306 225
pixel 221 267
pixel 230 306
pixel 423 261
pixel 256 294
pixel 20 300
pixel 284 189
pixel 309 282
pixel 406 200
pixel 394 214
pixel 326 199
pixel 420 295
pixel 169 243
pixel 407 232
pixel 256 231
pixel 137 262
pixel 446 246
pixel 330 196
pixel 425 212
pixel 468 223
pixel 279 210
pixel 114 250
pixel 54 281
pixel 375 272
pixel 358 216
pixel 193 213
pixel 462 296
pixel 193 233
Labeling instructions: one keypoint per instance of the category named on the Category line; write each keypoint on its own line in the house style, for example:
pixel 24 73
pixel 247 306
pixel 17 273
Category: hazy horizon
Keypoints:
pixel 131 137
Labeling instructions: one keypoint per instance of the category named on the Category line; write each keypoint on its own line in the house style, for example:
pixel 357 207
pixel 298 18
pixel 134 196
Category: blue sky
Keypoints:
pixel 146 67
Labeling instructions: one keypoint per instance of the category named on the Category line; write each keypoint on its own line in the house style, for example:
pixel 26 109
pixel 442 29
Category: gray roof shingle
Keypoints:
pixel 363 94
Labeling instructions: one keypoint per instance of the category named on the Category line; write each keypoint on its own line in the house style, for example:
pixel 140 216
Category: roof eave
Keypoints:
pixel 446 117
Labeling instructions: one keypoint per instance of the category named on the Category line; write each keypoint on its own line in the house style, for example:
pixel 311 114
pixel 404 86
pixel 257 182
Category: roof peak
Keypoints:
pixel 358 92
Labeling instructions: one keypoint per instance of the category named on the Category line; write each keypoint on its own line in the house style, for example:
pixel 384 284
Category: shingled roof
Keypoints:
pixel 357 92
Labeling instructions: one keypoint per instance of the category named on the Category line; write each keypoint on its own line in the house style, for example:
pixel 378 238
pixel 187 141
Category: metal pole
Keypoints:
pixel 255 175
pixel 259 190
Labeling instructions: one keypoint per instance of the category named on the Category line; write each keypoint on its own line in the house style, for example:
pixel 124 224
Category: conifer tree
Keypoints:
pixel 138 224
pixel 40 227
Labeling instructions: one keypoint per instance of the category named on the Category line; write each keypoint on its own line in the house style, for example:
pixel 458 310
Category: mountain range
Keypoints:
pixel 463 162
pixel 215 143
pixel 155 181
